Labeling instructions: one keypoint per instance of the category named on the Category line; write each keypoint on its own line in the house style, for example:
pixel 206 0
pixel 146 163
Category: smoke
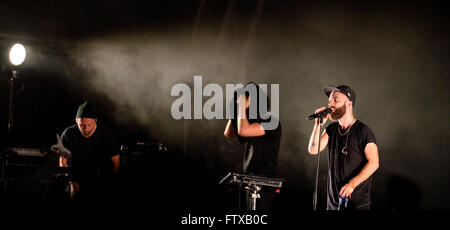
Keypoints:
pixel 390 61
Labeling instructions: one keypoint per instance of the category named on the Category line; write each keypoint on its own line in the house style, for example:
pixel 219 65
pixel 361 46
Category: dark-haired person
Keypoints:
pixel 262 145
pixel 353 152
pixel 95 156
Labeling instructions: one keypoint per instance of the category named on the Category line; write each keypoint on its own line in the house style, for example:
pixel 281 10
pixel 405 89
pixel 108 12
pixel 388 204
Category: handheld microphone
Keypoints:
pixel 321 114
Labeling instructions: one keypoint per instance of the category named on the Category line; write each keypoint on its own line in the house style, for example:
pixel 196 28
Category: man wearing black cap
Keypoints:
pixel 353 152
pixel 95 155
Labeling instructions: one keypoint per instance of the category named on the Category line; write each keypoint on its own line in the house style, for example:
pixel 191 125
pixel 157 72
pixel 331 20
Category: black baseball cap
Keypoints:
pixel 346 90
pixel 86 110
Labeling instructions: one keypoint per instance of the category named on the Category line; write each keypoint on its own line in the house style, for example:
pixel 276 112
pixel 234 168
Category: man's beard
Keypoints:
pixel 339 113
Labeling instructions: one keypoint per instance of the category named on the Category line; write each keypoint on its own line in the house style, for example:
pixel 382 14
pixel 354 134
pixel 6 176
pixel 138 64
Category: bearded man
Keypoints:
pixel 352 152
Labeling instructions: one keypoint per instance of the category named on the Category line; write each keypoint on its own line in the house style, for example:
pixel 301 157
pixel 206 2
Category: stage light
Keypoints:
pixel 17 54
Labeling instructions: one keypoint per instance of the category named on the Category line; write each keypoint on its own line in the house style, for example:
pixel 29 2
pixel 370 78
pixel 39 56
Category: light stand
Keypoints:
pixel 11 102
pixel 17 55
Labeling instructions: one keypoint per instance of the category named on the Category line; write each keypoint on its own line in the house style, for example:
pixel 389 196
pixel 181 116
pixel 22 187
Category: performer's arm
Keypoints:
pixel 245 129
pixel 63 162
pixel 63 153
pixel 74 187
pixel 229 131
pixel 314 139
pixel 116 163
pixel 371 153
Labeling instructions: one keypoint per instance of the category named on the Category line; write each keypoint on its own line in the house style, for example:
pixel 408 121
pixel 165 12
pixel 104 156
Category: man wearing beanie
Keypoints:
pixel 352 152
pixel 95 156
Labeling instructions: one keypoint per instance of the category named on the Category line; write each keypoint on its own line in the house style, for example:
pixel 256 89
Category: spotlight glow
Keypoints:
pixel 17 54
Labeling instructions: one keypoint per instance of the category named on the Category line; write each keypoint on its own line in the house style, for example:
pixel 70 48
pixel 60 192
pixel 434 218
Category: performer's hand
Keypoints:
pixel 74 188
pixel 242 100
pixel 247 101
pixel 324 119
pixel 243 103
pixel 347 190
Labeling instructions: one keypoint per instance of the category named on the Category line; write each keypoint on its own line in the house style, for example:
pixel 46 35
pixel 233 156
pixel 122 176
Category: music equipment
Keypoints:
pixel 251 179
pixel 252 183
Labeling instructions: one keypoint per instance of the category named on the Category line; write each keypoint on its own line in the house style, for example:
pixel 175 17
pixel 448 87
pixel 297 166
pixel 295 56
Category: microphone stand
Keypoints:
pixel 317 167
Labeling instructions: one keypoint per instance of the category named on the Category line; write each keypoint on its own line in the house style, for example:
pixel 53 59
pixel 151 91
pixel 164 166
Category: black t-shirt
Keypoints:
pixel 343 167
pixel 261 153
pixel 91 157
